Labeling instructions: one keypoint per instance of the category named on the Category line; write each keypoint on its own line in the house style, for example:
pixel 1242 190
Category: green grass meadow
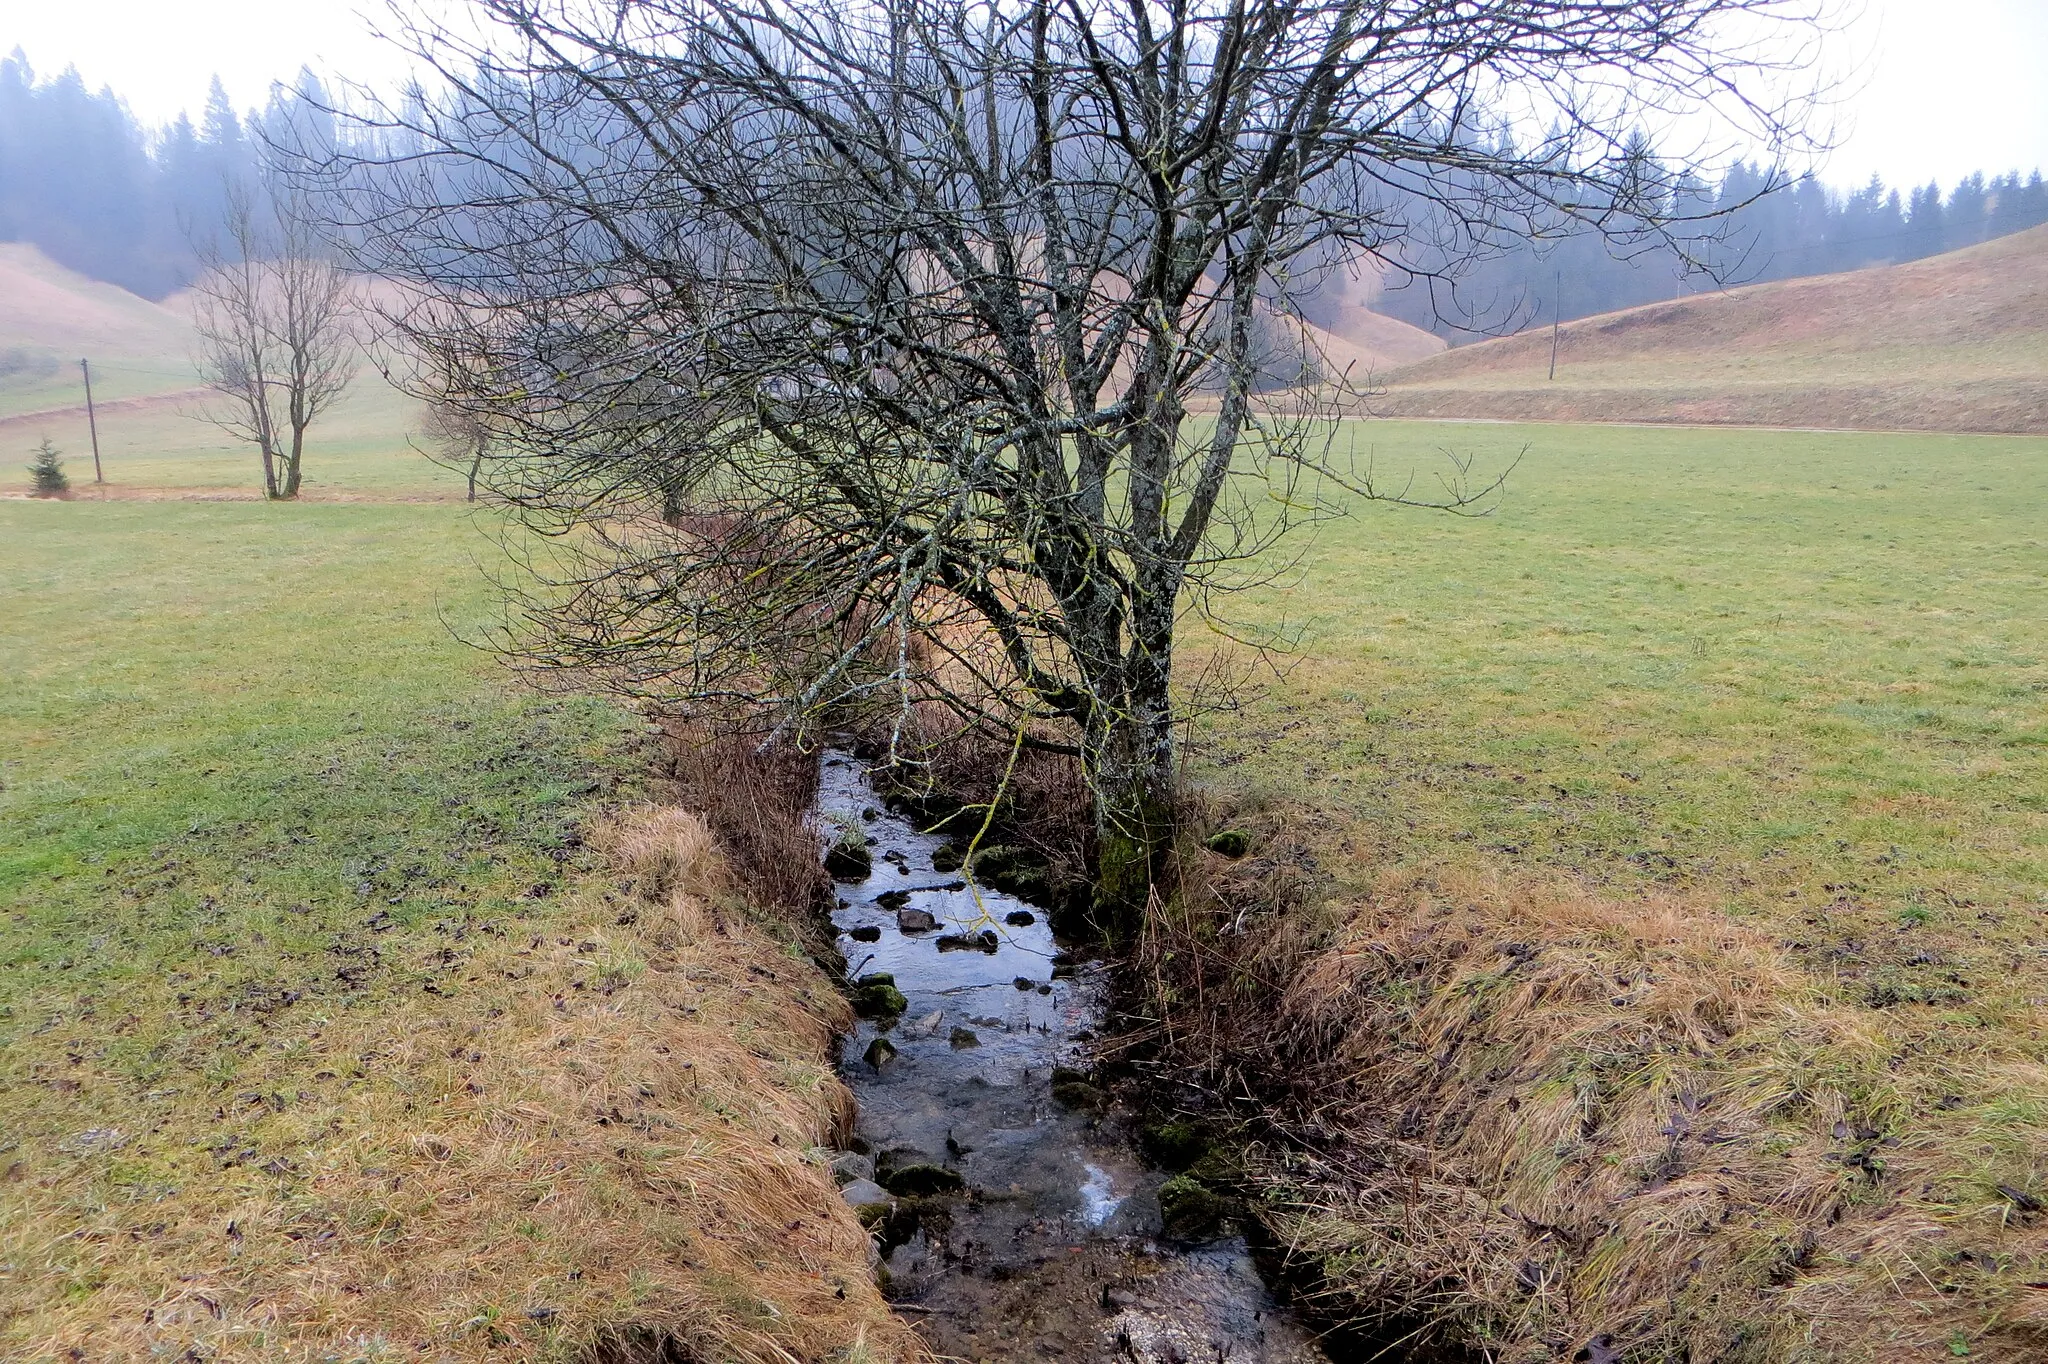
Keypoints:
pixel 362 448
pixel 1789 669
pixel 1766 662
pixel 231 732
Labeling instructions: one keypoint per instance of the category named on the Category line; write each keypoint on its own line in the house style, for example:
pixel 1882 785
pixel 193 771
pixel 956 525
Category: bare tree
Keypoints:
pixel 456 439
pixel 276 323
pixel 894 356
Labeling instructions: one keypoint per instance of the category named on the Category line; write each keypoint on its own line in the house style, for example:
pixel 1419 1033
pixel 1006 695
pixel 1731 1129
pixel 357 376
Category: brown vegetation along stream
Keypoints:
pixel 1539 1119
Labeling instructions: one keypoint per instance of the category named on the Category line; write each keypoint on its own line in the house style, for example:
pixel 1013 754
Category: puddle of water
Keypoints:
pixel 1051 1250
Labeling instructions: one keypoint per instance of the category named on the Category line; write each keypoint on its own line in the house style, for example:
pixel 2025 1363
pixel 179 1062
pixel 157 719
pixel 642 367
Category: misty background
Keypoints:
pixel 119 198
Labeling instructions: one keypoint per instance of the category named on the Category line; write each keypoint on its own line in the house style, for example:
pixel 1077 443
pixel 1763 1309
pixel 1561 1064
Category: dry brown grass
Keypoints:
pixel 1956 342
pixel 1532 1117
pixel 759 805
pixel 600 1143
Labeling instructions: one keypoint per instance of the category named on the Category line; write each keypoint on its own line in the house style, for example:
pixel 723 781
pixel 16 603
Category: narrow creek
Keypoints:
pixel 1018 1220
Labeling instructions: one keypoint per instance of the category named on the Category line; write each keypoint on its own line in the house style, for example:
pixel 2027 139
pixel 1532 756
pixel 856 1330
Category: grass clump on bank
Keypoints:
pixel 354 1005
pixel 1636 949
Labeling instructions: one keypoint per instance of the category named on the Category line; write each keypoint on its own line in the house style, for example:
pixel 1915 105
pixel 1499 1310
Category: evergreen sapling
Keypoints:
pixel 47 471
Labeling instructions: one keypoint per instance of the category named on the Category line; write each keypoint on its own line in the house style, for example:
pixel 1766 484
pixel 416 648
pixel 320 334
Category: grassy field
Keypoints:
pixel 321 971
pixel 1759 661
pixel 163 447
pixel 325 967
pixel 1739 741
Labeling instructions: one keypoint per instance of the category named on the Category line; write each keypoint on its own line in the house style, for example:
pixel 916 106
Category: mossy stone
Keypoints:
pixel 876 996
pixel 922 1181
pixel 1218 1167
pixel 849 859
pixel 1032 883
pixel 1231 843
pixel 1175 1144
pixel 1189 1210
pixel 1080 1095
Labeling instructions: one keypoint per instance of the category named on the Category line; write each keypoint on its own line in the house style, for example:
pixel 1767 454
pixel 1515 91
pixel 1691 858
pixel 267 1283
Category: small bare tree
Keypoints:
pixel 456 438
pixel 898 356
pixel 276 322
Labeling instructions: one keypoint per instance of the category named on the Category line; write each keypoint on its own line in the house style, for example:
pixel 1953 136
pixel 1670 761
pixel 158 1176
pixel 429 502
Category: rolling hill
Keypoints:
pixel 1365 342
pixel 50 317
pixel 1957 342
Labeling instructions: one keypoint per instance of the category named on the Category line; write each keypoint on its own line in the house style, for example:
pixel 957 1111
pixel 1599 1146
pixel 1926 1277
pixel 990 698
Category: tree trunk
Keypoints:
pixel 291 464
pixel 1132 777
pixel 1129 755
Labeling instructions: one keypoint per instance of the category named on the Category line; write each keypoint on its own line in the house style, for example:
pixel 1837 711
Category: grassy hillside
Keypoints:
pixel 50 317
pixel 349 1008
pixel 1684 828
pixel 1363 343
pixel 1957 342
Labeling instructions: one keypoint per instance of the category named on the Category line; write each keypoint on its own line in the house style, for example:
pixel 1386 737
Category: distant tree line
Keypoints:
pixel 1744 235
pixel 87 183
pixel 90 186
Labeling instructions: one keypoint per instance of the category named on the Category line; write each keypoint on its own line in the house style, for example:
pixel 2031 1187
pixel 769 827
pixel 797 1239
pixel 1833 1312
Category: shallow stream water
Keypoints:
pixel 1040 1236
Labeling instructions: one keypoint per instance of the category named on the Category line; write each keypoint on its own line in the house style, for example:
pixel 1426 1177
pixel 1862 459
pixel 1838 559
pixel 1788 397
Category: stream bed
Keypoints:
pixel 1018 1220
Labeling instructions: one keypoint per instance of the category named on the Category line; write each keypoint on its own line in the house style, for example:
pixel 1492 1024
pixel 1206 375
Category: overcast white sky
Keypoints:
pixel 1943 87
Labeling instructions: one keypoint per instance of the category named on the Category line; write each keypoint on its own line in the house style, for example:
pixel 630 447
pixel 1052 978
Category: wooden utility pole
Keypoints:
pixel 92 423
pixel 1556 288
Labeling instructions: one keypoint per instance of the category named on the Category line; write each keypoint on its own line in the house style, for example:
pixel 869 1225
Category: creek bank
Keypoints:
pixel 1015 1216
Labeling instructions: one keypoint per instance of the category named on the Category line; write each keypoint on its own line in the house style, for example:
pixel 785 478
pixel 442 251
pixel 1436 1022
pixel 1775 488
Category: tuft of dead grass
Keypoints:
pixel 599 1143
pixel 1552 1124
pixel 759 803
